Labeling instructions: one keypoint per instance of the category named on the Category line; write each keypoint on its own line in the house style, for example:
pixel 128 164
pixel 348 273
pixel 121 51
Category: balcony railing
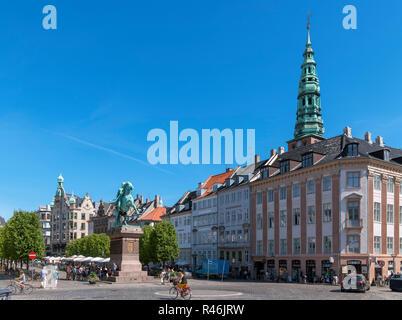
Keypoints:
pixel 355 223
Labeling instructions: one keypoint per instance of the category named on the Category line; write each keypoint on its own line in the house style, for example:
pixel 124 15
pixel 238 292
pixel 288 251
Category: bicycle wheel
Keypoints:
pixel 173 293
pixel 12 288
pixel 28 289
pixel 187 294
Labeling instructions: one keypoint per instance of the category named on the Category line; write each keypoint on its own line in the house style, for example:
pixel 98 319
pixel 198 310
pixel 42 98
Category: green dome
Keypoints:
pixel 72 199
pixel 60 178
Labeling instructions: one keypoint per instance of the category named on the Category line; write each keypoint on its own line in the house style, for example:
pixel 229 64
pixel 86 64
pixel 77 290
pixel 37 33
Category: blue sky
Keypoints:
pixel 83 98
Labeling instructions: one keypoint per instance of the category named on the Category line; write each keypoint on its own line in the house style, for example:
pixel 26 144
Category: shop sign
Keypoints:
pixel 354 262
pixel 364 269
pixel 296 263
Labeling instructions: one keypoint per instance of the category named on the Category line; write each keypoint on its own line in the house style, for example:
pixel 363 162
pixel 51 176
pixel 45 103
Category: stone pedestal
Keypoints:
pixel 124 251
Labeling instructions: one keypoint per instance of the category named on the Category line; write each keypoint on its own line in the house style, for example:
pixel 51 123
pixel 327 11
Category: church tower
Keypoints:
pixel 309 126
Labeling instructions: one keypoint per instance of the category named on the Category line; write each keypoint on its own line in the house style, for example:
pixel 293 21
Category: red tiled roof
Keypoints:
pixel 154 215
pixel 219 178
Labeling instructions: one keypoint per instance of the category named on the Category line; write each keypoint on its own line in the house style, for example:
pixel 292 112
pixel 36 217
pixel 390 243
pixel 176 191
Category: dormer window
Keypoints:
pixel 264 173
pixel 285 166
pixel 352 149
pixel 386 155
pixel 307 160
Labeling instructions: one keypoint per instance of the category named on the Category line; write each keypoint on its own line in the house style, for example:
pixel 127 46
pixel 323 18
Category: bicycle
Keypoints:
pixel 15 288
pixel 175 290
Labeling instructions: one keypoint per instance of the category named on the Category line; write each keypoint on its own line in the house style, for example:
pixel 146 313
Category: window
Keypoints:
pixel 296 216
pixel 296 190
pixel 270 195
pixel 259 248
pixel 400 246
pixel 327 244
pixel 311 244
pixel 390 213
pixel 285 166
pixel 400 215
pixel 245 194
pixel 354 213
pixel 245 234
pixel 82 216
pixel 354 244
pixel 386 155
pixel 311 215
pixel 377 244
pixel 239 235
pixel 259 198
pixel 271 248
pixel 282 195
pixel 327 183
pixel 327 212
pixel 283 218
pixel 377 182
pixel 352 150
pixel 283 246
pixel 377 212
pixel 310 187
pixel 296 246
pixel 307 160
pixel 390 245
pixel 390 185
pixel 270 220
pixel 353 179
pixel 233 236
pixel 259 221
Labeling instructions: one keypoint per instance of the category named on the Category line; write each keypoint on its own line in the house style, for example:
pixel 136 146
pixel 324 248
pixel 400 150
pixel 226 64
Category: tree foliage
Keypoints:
pixel 146 253
pixel 21 235
pixel 163 242
pixel 90 246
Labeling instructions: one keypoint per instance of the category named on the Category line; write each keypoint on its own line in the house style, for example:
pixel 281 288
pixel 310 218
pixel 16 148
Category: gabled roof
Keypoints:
pixel 219 178
pixel 154 215
pixel 335 148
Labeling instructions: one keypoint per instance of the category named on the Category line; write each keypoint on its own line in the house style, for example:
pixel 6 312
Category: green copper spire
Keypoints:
pixel 60 189
pixel 309 122
pixel 72 198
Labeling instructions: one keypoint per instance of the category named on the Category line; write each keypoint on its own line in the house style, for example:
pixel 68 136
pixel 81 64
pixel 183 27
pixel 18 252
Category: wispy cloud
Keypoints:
pixel 117 153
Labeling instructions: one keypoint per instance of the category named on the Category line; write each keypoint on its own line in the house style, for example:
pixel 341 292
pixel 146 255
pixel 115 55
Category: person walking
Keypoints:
pixel 162 276
pixel 43 275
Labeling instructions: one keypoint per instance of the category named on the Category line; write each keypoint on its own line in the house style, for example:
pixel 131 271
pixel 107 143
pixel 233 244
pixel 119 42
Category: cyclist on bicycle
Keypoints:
pixel 21 279
pixel 182 279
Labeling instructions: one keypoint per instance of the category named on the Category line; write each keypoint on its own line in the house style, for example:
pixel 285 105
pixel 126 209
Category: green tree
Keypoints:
pixel 90 246
pixel 146 251
pixel 22 234
pixel 163 242
pixel 2 253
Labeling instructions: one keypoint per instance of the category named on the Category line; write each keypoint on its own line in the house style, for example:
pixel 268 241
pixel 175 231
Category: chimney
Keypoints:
pixel 281 150
pixel 379 140
pixel 138 197
pixel 228 169
pixel 367 137
pixel 257 158
pixel 273 152
pixel 157 201
pixel 348 132
pixel 148 200
pixel 142 200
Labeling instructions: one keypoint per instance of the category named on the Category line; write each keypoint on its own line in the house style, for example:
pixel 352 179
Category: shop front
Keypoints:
pixel 283 270
pixel 259 270
pixel 271 270
pixel 327 272
pixel 296 268
pixel 310 270
pixel 357 264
